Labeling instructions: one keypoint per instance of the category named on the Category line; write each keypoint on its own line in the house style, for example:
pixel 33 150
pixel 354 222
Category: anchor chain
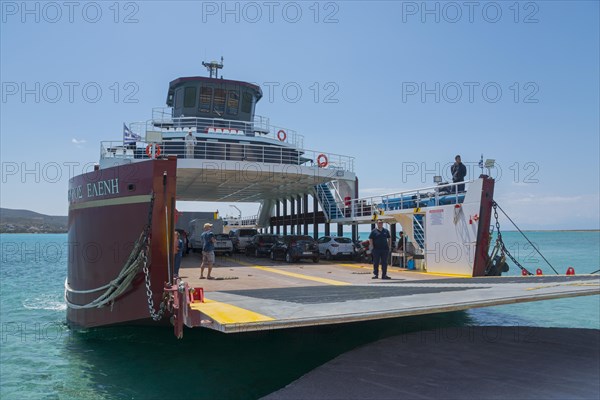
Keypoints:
pixel 156 315
pixel 503 250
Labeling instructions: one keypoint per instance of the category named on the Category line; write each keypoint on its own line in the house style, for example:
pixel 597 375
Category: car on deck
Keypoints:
pixel 224 245
pixel 295 247
pixel 241 237
pixel 261 245
pixel 336 247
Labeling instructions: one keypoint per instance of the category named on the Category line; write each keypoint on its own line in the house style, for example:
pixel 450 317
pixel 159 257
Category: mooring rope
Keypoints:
pixel 526 238
pixel 121 283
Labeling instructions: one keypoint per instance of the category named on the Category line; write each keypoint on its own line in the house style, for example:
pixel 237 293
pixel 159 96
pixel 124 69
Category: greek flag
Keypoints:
pixel 481 162
pixel 128 136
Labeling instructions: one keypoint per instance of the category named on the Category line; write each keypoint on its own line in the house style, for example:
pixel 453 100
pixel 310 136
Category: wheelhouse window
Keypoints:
pixel 178 98
pixel 246 102
pixel 205 99
pixel 189 98
pixel 219 101
pixel 233 103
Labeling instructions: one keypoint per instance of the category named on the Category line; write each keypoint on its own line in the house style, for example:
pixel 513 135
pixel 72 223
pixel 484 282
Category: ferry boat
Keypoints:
pixel 209 145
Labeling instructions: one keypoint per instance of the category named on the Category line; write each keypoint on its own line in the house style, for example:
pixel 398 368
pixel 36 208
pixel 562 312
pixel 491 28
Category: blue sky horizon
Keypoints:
pixel 402 86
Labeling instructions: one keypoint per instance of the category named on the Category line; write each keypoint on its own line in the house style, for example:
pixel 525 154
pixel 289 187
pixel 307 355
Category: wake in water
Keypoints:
pixel 44 302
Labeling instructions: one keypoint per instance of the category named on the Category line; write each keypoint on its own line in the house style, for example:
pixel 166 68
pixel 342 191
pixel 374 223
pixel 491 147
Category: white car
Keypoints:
pixel 336 246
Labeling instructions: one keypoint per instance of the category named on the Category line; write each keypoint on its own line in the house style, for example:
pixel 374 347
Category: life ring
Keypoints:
pixel 149 151
pixel 281 135
pixel 322 160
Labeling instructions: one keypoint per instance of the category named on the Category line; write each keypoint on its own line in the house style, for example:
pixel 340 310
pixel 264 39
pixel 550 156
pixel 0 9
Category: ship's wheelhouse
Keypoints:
pixel 204 97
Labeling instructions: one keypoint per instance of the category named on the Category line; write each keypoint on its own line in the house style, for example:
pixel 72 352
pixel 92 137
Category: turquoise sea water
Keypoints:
pixel 40 358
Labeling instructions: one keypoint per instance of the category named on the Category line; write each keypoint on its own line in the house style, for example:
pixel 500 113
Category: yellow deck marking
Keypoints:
pixel 353 265
pixel 225 313
pixel 543 287
pixel 562 284
pixel 295 275
pixel 301 276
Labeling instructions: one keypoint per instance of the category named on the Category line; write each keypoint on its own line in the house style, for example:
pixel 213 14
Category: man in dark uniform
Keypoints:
pixel 380 239
pixel 459 171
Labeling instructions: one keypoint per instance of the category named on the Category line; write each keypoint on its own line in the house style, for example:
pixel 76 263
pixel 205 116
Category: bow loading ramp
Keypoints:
pixel 265 295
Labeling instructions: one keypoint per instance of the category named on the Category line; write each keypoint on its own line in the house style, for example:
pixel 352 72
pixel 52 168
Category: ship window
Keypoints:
pixel 219 103
pixel 178 98
pixel 233 103
pixel 205 99
pixel 246 103
pixel 189 98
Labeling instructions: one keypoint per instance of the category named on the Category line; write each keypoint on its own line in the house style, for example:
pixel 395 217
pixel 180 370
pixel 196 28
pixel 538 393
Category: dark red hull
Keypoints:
pixel 108 210
pixel 483 233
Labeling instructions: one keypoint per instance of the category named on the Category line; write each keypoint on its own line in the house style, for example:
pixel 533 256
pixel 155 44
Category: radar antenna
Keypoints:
pixel 213 66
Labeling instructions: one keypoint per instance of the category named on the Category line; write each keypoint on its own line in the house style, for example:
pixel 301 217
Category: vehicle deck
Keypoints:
pixel 250 294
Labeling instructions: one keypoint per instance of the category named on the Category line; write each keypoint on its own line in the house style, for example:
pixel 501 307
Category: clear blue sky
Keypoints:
pixel 402 86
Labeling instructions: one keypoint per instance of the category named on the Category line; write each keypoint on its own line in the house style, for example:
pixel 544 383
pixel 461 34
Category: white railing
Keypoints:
pixel 163 121
pixel 325 203
pixel 226 151
pixel 409 199
pixel 333 187
pixel 418 232
pixel 241 221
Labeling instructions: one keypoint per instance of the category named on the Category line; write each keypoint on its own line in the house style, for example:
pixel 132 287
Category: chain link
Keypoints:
pixel 156 315
pixel 503 249
pixel 497 224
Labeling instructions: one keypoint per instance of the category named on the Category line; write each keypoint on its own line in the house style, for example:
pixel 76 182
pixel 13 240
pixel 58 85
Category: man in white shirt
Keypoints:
pixel 190 142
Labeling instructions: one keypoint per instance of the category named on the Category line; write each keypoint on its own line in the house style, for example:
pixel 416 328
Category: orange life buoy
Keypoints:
pixel 322 160
pixel 281 135
pixel 149 151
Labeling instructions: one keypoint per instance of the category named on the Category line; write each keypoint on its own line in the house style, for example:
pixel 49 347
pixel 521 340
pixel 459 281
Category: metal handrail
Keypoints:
pixel 418 234
pixel 408 199
pixel 324 201
pixel 335 192
pixel 163 121
pixel 227 151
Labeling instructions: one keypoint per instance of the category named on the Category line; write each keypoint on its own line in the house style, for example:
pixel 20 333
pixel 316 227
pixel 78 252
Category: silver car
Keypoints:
pixel 224 245
pixel 241 237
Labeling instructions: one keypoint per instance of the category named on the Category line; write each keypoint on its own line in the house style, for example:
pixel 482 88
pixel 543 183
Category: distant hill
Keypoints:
pixel 25 221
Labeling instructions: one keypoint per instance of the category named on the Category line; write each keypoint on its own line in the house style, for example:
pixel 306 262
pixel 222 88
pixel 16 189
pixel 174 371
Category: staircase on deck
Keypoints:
pixel 331 207
pixel 365 210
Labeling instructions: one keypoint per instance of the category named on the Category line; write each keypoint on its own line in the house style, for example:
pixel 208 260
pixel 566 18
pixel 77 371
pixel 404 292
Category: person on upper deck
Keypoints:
pixel 459 171
pixel 190 142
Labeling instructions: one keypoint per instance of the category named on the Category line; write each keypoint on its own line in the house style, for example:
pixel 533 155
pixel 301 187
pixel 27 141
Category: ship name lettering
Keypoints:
pixel 75 193
pixel 103 188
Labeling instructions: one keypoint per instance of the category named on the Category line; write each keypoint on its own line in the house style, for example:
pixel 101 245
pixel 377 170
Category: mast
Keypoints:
pixel 213 66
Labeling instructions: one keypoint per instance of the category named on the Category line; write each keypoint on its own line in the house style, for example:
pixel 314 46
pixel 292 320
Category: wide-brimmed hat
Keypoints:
pixel 208 225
